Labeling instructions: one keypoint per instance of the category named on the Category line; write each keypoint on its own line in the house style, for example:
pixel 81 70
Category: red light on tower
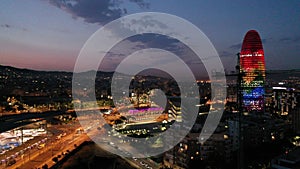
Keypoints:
pixel 252 64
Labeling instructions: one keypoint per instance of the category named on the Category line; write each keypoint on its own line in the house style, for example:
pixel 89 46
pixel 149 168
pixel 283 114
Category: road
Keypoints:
pixel 68 145
pixel 8 122
pixel 33 157
pixel 37 158
pixel 107 143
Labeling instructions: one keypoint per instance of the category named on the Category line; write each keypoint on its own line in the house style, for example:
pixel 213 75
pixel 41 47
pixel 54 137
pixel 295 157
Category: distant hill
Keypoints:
pixel 54 84
pixel 278 75
pixel 25 70
pixel 26 82
pixel 270 74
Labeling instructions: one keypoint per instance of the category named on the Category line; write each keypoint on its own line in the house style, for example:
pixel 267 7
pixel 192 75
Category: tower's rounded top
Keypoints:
pixel 252 42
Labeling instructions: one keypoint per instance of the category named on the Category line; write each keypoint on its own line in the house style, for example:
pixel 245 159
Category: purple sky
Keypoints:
pixel 48 34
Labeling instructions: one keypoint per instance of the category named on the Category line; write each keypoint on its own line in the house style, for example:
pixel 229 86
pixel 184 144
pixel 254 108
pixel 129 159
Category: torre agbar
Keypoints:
pixel 252 66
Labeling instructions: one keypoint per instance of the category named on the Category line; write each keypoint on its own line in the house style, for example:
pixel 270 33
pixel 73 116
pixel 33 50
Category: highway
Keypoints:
pixel 33 156
pixel 107 143
pixel 66 144
pixel 140 163
pixel 8 122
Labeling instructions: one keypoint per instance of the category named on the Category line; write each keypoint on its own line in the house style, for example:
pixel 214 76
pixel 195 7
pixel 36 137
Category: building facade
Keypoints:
pixel 252 66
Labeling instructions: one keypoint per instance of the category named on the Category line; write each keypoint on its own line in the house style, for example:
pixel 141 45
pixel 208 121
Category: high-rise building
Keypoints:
pixel 296 120
pixel 284 100
pixel 296 115
pixel 252 66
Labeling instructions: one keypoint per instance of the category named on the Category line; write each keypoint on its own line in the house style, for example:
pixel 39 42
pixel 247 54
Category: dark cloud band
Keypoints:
pixel 95 11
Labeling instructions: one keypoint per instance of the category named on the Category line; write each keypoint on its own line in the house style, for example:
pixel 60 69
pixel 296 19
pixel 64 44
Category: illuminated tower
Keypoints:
pixel 252 65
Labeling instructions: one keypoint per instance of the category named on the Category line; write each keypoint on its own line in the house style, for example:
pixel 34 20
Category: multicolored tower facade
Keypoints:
pixel 252 66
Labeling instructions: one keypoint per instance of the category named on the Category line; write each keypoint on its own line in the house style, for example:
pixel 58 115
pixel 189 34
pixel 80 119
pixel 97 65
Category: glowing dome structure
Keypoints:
pixel 252 65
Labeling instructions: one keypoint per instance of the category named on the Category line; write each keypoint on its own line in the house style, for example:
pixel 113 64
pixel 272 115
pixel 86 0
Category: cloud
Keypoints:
pixel 239 45
pixel 236 46
pixel 226 54
pixel 8 26
pixel 194 61
pixel 295 39
pixel 264 41
pixel 95 11
pixel 141 4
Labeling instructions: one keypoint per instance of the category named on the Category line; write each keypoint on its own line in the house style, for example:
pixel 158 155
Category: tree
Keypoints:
pixel 45 166
pixel 55 159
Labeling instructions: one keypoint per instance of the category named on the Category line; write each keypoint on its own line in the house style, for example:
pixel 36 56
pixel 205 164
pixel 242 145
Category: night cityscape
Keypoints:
pixel 139 108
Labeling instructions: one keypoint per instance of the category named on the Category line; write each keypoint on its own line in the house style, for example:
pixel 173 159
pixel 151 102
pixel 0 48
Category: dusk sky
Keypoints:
pixel 48 34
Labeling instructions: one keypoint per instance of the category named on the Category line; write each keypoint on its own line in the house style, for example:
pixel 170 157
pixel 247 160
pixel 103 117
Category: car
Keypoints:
pixel 41 146
pixel 142 163
pixel 11 162
pixel 6 147
pixel 2 151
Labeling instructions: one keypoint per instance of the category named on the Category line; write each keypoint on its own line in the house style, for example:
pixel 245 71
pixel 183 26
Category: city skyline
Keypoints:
pixel 149 84
pixel 48 35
